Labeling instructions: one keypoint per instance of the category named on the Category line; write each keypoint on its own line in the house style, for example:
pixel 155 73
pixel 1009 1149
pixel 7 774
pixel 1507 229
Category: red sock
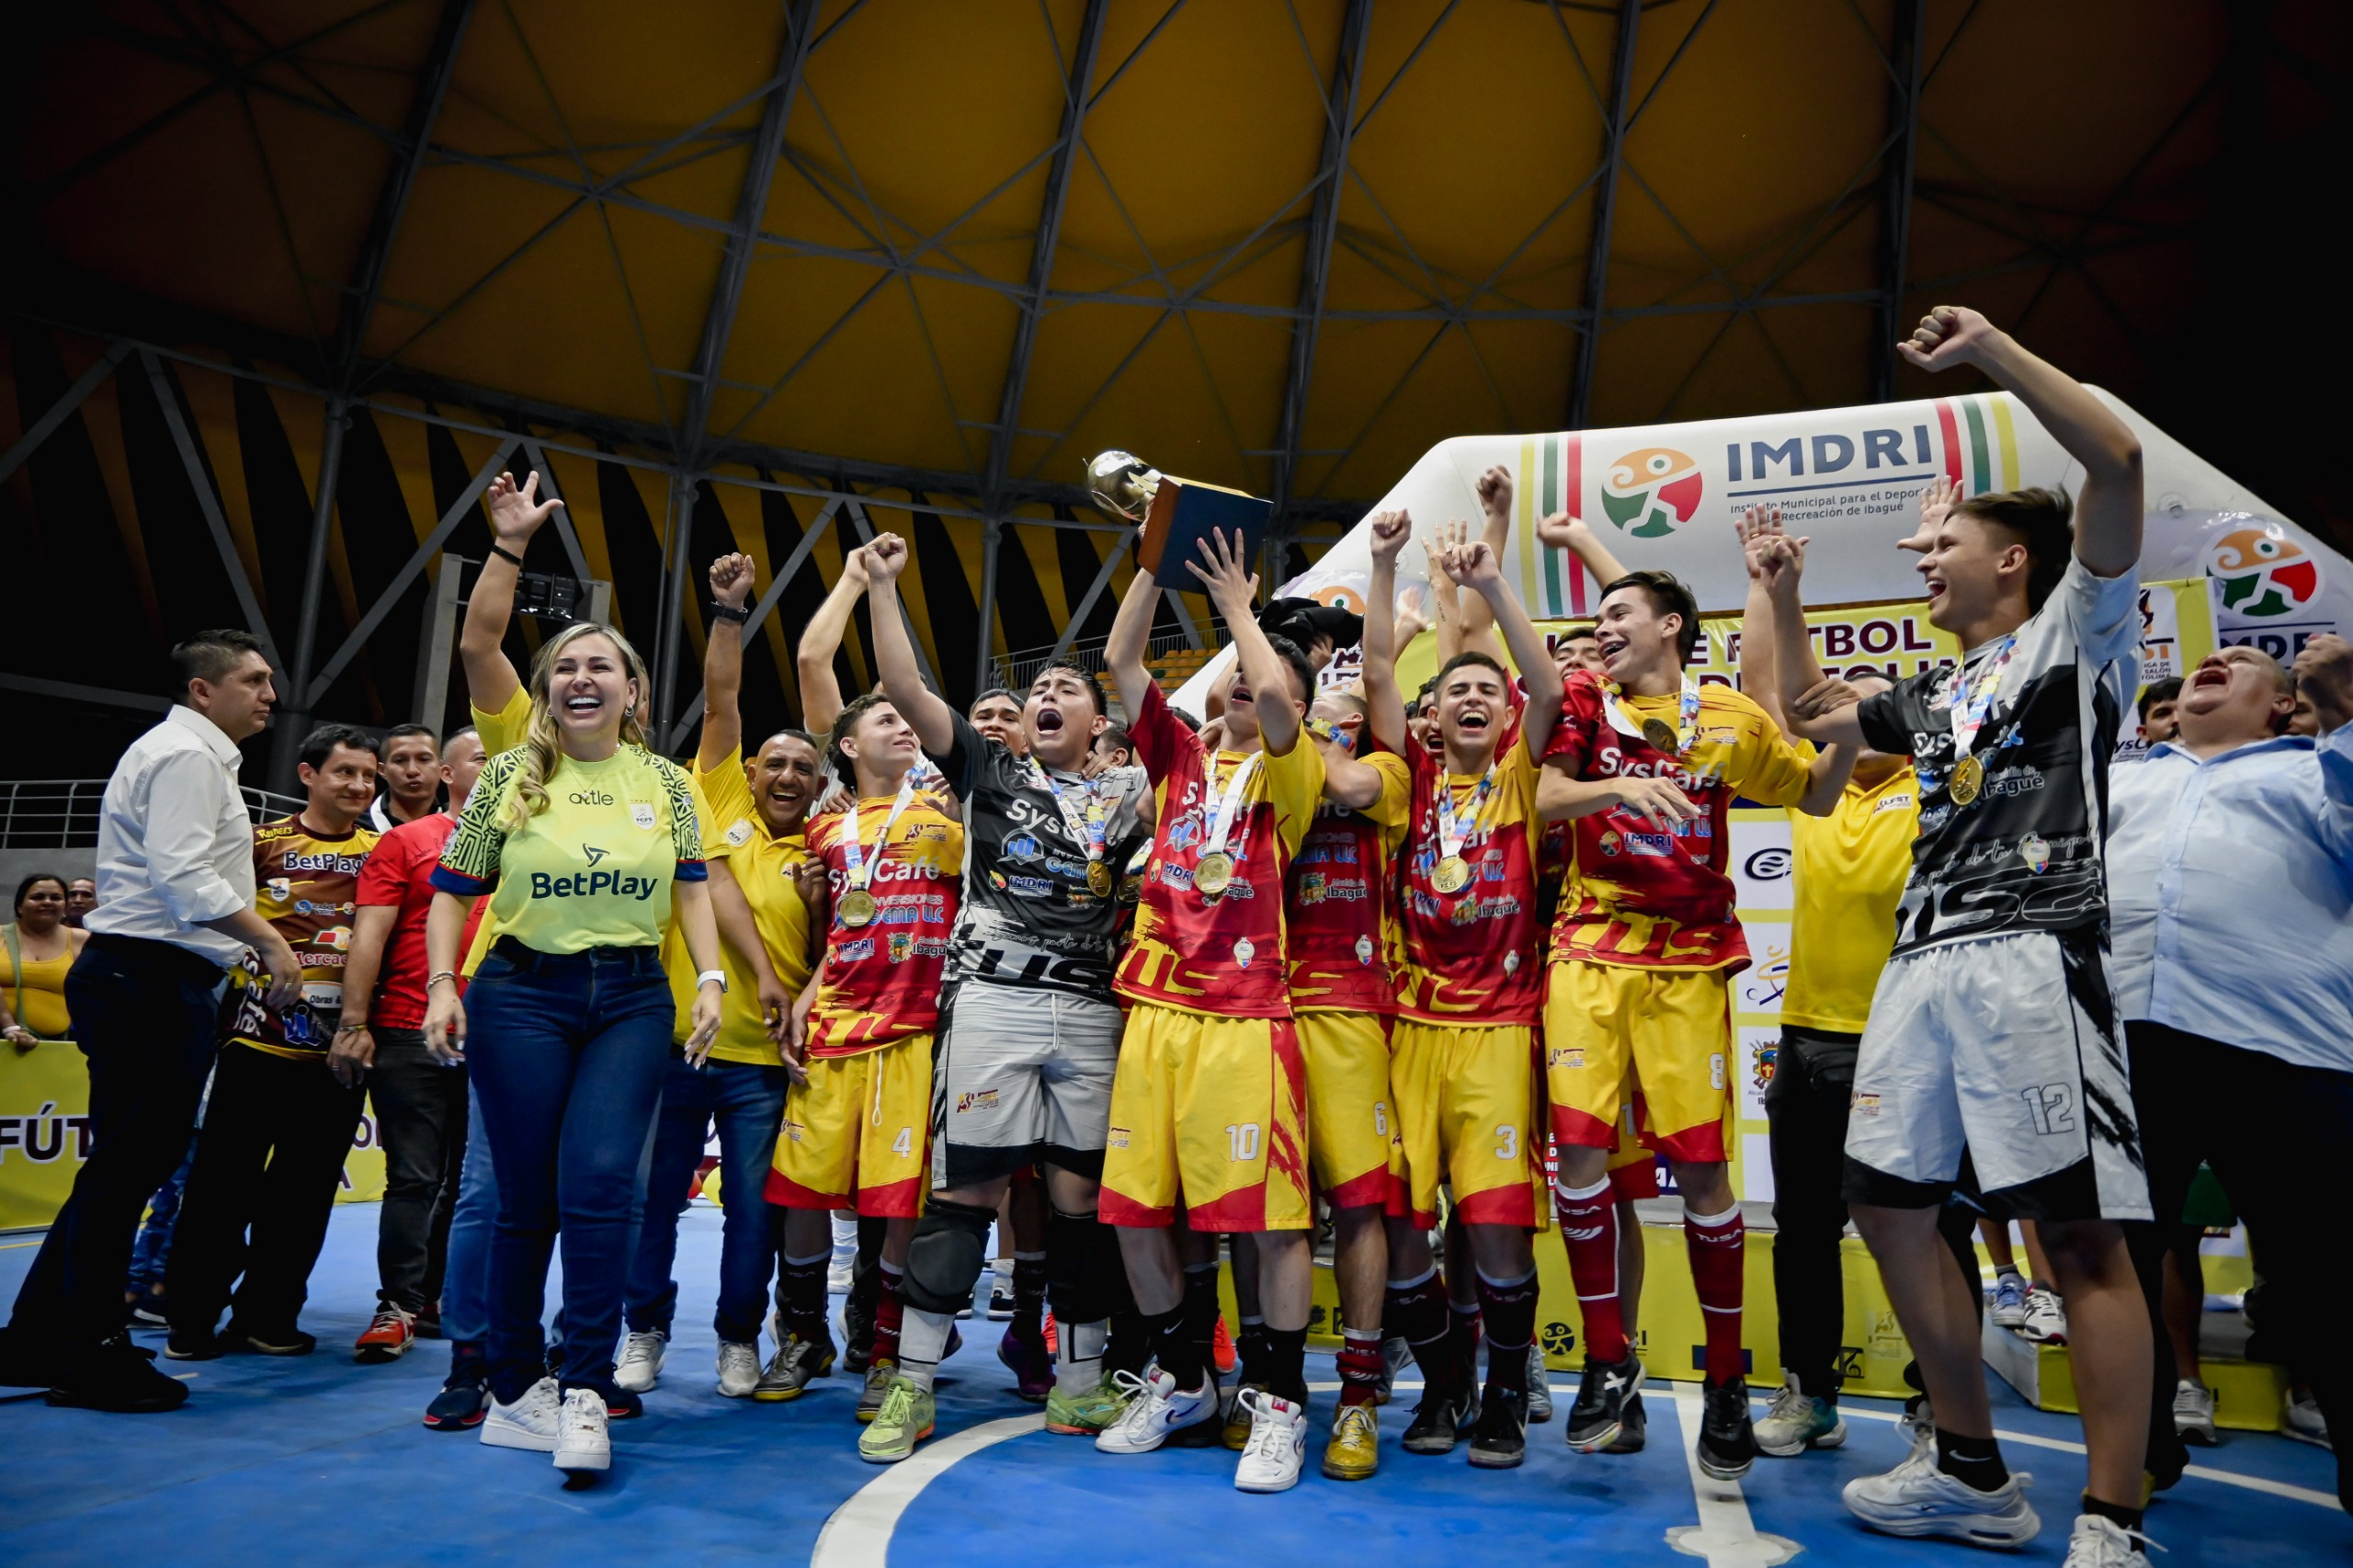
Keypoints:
pixel 1589 1233
pixel 1359 1362
pixel 889 1311
pixel 1715 1244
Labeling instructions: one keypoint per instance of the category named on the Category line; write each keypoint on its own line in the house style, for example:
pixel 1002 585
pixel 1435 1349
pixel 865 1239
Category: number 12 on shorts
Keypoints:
pixel 1242 1142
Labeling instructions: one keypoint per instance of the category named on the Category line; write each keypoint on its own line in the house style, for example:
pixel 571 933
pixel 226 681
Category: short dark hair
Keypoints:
pixel 1584 628
pixel 857 708
pixel 402 732
pixel 1005 692
pixel 1115 737
pixel 1469 656
pixel 805 738
pixel 2040 518
pixel 1184 718
pixel 64 888
pixel 320 743
pixel 209 655
pixel 2166 690
pixel 1087 677
pixel 1668 596
pixel 1294 655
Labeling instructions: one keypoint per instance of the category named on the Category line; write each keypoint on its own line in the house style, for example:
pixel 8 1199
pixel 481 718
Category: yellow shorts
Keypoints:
pixel 856 1136
pixel 1210 1113
pixel 1611 1030
pixel 1466 1108
pixel 1353 1145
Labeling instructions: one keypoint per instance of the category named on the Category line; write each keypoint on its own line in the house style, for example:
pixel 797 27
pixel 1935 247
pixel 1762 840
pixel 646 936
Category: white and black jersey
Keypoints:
pixel 2025 853
pixel 1028 916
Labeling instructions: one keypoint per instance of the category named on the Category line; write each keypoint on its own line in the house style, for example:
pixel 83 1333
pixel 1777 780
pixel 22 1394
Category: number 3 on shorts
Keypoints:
pixel 904 1143
pixel 1242 1143
pixel 1506 1141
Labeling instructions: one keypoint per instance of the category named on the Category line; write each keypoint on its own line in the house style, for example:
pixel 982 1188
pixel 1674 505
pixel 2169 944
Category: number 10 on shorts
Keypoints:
pixel 1242 1143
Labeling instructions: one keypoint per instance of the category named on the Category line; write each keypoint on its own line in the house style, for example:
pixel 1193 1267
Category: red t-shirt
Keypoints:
pixel 1343 934
pixel 1475 955
pixel 881 980
pixel 399 875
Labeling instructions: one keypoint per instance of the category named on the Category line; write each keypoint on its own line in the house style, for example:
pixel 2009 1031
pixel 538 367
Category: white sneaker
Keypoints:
pixel 530 1421
pixel 739 1370
pixel 2046 1319
pixel 2304 1422
pixel 1540 1387
pixel 1797 1421
pixel 1277 1446
pixel 641 1364
pixel 582 1440
pixel 2193 1413
pixel 2009 1305
pixel 2104 1543
pixel 1156 1407
pixel 1915 1498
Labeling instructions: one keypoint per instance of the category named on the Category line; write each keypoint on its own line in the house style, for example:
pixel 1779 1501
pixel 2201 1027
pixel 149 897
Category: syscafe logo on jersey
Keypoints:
pixel 1612 763
pixel 591 798
pixel 595 884
pixel 892 871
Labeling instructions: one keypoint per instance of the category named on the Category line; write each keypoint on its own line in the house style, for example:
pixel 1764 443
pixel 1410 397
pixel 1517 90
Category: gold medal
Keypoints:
pixel 1661 735
pixel 1452 875
pixel 1098 877
pixel 1968 779
pixel 856 907
pixel 1213 874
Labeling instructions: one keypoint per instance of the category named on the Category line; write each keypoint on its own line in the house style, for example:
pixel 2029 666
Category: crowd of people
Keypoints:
pixel 1118 981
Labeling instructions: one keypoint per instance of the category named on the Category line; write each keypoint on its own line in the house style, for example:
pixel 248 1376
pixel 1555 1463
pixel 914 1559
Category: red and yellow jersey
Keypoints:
pixel 1343 933
pixel 1475 955
pixel 1222 955
pixel 308 887
pixel 881 980
pixel 1636 895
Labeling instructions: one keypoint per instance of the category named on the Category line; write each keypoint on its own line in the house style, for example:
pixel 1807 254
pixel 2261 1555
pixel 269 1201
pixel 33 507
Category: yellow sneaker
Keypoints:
pixel 1354 1452
pixel 1237 1420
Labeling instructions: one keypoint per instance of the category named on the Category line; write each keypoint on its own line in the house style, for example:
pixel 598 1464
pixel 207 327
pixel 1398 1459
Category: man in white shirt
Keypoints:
pixel 176 908
pixel 2241 1050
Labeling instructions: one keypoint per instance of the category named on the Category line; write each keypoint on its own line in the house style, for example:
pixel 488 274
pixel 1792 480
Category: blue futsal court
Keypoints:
pixel 317 1460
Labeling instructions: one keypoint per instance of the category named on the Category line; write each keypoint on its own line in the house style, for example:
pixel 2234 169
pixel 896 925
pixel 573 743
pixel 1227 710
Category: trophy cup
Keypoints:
pixel 1174 514
pixel 1120 485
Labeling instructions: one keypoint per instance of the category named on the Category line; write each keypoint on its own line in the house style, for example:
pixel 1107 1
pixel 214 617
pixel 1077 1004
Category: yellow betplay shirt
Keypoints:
pixel 595 868
pixel 1849 868
pixel 762 866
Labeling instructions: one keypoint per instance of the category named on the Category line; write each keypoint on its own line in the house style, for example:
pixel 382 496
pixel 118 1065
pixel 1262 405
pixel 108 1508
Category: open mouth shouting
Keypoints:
pixel 1050 719
pixel 2213 675
pixel 1239 695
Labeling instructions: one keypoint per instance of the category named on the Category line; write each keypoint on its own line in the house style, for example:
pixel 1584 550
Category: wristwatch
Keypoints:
pixel 736 613
pixel 710 974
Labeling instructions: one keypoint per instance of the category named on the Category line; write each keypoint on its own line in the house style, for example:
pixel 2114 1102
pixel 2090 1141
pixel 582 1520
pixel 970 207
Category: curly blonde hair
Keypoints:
pixel 540 749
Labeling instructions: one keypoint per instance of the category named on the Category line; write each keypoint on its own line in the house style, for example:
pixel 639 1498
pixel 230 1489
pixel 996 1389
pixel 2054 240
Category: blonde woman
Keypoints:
pixel 582 839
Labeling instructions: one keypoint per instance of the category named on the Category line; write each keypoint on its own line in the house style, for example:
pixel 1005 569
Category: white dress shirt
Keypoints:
pixel 2229 886
pixel 176 844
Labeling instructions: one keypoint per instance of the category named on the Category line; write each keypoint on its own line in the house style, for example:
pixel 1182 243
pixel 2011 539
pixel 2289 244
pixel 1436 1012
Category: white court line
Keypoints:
pixel 1725 1535
pixel 2199 1471
pixel 858 1533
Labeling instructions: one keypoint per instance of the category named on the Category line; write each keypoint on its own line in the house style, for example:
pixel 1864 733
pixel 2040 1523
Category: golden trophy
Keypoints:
pixel 1120 485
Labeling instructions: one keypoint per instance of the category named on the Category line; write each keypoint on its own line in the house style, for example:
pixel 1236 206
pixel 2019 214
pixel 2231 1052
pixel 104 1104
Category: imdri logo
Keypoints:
pixel 1650 491
pixel 2262 573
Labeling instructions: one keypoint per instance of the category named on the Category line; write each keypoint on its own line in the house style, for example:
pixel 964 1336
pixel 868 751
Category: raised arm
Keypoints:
pixel 1495 532
pixel 1561 531
pixel 516 514
pixel 1446 599
pixel 722 664
pixel 1479 569
pixel 1755 525
pixel 1824 712
pixel 894 657
pixel 1384 704
pixel 1123 651
pixel 1234 591
pixel 2107 512
pixel 821 693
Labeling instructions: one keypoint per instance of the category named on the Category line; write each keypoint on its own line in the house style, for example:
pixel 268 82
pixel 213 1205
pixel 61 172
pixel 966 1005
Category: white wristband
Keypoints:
pixel 709 975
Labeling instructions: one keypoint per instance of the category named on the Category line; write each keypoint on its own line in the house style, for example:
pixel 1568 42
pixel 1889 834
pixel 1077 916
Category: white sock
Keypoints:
pixel 1078 1355
pixel 844 1235
pixel 923 1340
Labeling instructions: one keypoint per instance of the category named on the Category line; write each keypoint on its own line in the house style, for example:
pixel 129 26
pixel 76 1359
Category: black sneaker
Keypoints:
pixel 153 1307
pixel 1633 1430
pixel 858 1337
pixel 621 1405
pixel 464 1398
pixel 1440 1419
pixel 287 1341
pixel 194 1344
pixel 1727 1445
pixel 1500 1439
pixel 116 1376
pixel 1600 1413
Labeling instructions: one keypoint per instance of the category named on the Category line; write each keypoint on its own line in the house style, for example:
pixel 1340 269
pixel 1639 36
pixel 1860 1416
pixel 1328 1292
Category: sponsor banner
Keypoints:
pixel 45 1136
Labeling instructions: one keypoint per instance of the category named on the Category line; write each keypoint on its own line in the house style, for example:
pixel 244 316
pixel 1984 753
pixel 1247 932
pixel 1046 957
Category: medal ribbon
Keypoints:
pixel 1087 824
pixel 1453 829
pixel 1221 822
pixel 1971 700
pixel 853 854
pixel 1687 718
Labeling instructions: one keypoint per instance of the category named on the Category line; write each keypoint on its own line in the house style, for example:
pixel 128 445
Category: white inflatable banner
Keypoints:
pixel 1665 496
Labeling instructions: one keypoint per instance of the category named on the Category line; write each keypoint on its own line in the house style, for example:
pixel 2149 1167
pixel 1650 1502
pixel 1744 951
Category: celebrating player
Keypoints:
pixel 1993 1029
pixel 1209 1106
pixel 1030 1039
pixel 1470 999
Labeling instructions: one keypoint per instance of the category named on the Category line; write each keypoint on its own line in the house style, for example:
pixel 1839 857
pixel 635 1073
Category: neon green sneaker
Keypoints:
pixel 905 1420
pixel 1084 1414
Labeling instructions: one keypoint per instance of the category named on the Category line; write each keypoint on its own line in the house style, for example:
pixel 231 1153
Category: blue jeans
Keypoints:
pixel 747 1101
pixel 153 1247
pixel 567 1053
pixel 465 1280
